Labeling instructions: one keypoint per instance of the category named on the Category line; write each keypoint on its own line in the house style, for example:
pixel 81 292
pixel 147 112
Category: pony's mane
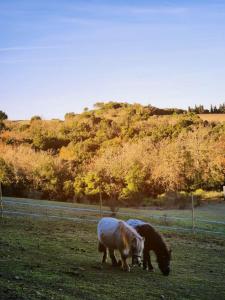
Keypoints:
pixel 131 229
pixel 127 233
pixel 162 247
pixel 135 233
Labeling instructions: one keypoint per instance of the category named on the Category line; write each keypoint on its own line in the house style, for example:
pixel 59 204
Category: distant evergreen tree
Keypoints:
pixel 3 115
pixel 211 109
pixel 200 109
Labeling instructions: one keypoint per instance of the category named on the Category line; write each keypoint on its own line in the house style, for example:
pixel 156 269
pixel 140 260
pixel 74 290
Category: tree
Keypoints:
pixel 69 115
pixel 135 181
pixel 35 118
pixel 3 115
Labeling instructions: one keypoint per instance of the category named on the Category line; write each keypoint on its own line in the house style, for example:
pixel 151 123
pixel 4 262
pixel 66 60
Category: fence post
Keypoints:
pixel 193 213
pixel 100 198
pixel 224 192
pixel 1 200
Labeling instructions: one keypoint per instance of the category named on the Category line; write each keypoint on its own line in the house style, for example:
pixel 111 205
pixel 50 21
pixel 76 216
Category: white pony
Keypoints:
pixel 116 234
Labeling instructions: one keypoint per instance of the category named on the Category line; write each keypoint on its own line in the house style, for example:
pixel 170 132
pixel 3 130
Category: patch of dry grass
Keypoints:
pixel 213 117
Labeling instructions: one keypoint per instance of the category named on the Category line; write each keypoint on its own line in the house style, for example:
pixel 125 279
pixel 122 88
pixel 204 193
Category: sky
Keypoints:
pixel 62 56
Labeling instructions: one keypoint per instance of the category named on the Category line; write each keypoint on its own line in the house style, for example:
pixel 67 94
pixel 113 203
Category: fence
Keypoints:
pixel 64 211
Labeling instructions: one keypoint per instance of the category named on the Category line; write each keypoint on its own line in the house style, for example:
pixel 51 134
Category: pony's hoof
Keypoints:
pixel 104 262
pixel 114 265
pixel 126 269
pixel 119 264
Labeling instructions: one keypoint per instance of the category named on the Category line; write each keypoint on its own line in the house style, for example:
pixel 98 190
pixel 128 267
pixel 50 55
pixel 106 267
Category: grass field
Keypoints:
pixel 46 259
pixel 213 117
pixel 171 217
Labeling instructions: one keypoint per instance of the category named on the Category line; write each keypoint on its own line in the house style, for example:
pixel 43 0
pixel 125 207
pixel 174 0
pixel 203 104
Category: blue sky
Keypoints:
pixel 61 56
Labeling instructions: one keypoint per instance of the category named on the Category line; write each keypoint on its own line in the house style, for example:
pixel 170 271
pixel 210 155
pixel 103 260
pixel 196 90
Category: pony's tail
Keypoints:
pixel 101 247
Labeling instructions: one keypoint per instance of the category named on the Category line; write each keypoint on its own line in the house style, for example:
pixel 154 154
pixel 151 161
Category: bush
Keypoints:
pixel 35 118
pixel 6 174
pixel 2 126
pixel 3 115
pixel 42 142
pixel 178 200
pixel 158 202
pixel 208 195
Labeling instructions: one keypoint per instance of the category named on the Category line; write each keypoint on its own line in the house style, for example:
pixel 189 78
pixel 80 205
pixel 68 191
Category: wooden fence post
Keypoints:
pixel 224 192
pixel 193 213
pixel 100 198
pixel 1 200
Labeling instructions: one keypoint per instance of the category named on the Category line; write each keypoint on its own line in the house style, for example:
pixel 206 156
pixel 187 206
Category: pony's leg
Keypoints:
pixel 150 267
pixel 102 248
pixel 147 261
pixel 113 258
pixel 104 256
pixel 125 265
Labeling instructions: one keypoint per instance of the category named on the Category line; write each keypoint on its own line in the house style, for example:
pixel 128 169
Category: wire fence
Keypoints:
pixel 30 208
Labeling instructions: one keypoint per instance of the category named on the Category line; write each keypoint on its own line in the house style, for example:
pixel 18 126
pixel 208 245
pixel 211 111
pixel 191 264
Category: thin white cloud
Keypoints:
pixel 130 9
pixel 6 49
pixel 15 61
pixel 167 10
pixel 103 13
pixel 78 20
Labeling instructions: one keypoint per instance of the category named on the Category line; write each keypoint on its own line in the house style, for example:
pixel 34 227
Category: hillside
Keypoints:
pixel 126 153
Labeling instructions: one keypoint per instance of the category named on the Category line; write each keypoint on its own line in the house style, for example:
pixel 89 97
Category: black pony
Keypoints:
pixel 155 242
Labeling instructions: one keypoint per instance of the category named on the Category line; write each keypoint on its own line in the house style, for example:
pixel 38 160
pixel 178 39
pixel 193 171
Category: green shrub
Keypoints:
pixel 207 195
pixel 158 202
pixel 35 118
pixel 179 200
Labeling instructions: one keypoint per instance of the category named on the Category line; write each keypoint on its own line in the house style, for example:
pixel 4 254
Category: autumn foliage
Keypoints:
pixel 127 153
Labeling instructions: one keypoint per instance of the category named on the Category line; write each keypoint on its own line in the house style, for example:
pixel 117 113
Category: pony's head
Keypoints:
pixel 164 262
pixel 136 250
pixel 132 241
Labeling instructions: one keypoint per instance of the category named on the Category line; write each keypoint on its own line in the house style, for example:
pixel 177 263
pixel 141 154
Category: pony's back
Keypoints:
pixel 148 231
pixel 135 222
pixel 107 225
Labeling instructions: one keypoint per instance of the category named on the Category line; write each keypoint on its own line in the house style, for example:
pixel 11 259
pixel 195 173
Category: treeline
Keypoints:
pixel 126 153
pixel 200 109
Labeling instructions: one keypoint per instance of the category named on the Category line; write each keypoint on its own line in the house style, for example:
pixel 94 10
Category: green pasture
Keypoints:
pixel 48 259
pixel 210 217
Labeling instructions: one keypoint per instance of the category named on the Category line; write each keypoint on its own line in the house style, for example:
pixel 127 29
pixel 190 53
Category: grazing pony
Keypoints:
pixel 116 234
pixel 155 242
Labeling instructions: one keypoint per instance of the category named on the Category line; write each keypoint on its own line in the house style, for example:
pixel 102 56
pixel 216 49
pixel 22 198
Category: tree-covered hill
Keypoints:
pixel 125 152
